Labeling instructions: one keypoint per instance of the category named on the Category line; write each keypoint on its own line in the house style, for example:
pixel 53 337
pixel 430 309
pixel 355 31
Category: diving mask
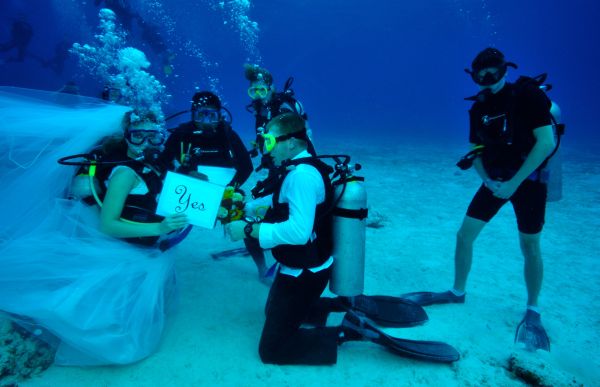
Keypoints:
pixel 269 141
pixel 489 67
pixel 138 137
pixel 206 116
pixel 489 76
pixel 258 92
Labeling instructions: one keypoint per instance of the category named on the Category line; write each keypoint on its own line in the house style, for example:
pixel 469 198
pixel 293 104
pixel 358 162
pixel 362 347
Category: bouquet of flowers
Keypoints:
pixel 232 205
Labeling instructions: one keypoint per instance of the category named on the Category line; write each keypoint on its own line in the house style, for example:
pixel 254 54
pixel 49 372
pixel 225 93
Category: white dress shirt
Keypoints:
pixel 303 189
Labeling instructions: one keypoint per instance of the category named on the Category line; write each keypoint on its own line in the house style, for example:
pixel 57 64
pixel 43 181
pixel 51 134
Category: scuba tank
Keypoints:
pixel 349 235
pixel 554 165
pixel 349 213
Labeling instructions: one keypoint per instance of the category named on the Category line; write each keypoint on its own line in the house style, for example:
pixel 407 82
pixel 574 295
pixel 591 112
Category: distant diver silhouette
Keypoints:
pixel 61 54
pixel 20 36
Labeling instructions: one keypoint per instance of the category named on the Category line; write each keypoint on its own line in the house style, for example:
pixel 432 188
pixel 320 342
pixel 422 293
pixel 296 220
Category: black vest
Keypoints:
pixel 497 123
pixel 210 148
pixel 279 103
pixel 313 253
pixel 137 208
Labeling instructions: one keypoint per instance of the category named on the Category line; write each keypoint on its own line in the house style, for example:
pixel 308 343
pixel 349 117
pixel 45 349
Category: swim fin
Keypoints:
pixel 176 239
pixel 242 251
pixel 386 311
pixel 358 327
pixel 531 333
pixel 432 298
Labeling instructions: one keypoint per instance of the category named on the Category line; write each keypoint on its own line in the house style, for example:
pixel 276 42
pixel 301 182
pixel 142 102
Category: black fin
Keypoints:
pixel 360 327
pixel 387 311
pixel 242 251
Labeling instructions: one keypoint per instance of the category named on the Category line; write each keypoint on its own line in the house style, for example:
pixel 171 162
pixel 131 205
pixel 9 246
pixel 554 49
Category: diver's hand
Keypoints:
pixel 235 230
pixel 198 175
pixel 492 185
pixel 173 222
pixel 505 189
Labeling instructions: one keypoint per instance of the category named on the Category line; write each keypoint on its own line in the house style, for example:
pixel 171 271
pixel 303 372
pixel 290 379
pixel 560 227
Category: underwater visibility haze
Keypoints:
pixel 390 67
pixel 383 81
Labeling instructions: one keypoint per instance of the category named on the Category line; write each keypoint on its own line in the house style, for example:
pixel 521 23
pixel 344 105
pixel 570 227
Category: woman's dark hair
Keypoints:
pixel 255 73
pixel 206 98
pixel 135 117
pixel 116 142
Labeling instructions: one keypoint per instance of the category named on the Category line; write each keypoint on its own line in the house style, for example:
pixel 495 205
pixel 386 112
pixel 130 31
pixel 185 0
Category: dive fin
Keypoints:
pixel 166 244
pixel 357 327
pixel 432 298
pixel 242 251
pixel 268 277
pixel 387 311
pixel 531 333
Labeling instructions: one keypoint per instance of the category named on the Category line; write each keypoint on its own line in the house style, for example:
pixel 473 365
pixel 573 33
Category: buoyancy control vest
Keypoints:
pixel 200 148
pixel 279 103
pixel 282 102
pixel 500 134
pixel 315 251
pixel 348 212
pixel 138 207
pixel 188 147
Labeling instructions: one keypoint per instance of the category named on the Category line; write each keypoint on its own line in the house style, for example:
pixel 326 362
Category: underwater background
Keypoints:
pixel 383 70
pixel 384 82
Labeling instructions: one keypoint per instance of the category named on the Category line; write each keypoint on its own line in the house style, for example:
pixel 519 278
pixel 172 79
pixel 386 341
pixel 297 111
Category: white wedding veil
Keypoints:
pixel 103 300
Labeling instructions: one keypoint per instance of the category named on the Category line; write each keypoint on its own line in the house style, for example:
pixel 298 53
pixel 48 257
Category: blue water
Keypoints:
pixel 389 69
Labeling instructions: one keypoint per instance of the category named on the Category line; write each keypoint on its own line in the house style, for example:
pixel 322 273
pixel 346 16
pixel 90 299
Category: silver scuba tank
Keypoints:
pixel 554 165
pixel 349 236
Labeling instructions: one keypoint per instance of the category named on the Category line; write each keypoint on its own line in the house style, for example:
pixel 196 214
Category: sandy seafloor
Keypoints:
pixel 212 340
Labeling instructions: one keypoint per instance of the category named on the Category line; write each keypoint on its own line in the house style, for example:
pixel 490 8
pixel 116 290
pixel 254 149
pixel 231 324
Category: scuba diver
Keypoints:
pixel 267 104
pixel 61 55
pixel 69 275
pixel 300 229
pixel 124 179
pixel 20 35
pixel 208 139
pixel 512 134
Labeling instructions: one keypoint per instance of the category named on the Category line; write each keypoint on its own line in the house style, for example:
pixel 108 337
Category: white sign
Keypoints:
pixel 199 200
pixel 217 175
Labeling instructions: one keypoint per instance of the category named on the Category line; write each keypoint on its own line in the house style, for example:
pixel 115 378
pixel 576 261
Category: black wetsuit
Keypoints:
pixel 292 299
pixel 278 104
pixel 220 148
pixel 504 123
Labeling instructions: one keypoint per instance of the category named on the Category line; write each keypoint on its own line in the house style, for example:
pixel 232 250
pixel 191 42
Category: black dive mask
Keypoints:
pixel 491 75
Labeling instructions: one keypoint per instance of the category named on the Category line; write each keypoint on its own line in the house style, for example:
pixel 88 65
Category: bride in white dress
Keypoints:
pixel 64 273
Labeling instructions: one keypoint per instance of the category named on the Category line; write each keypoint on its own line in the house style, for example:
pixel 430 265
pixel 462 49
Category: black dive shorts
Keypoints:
pixel 529 204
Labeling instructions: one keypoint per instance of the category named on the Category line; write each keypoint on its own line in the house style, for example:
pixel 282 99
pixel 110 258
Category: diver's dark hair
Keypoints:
pixel 255 73
pixel 206 98
pixel 116 142
pixel 135 117
pixel 288 123
pixel 490 57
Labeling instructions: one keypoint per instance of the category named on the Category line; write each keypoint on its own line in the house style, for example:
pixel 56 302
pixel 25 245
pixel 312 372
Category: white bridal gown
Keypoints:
pixel 98 299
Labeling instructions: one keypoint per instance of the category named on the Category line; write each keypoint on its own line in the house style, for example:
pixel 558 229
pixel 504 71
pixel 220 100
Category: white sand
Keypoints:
pixel 213 338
